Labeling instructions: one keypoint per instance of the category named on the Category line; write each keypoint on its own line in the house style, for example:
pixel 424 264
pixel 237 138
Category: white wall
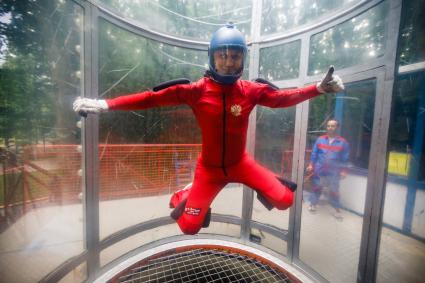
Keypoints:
pixel 418 224
pixel 353 196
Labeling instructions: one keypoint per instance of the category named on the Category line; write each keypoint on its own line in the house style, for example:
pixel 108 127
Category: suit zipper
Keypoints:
pixel 223 153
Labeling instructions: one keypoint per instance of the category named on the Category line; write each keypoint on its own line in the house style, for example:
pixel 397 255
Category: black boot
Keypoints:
pixel 264 201
pixel 291 185
pixel 178 211
pixel 207 219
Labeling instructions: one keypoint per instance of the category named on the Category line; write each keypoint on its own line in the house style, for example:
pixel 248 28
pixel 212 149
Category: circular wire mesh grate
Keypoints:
pixel 202 265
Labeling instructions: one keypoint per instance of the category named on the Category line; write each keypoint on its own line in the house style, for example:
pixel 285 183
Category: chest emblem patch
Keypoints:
pixel 236 110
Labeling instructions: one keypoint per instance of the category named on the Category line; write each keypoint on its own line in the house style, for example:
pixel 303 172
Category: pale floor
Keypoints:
pixel 44 238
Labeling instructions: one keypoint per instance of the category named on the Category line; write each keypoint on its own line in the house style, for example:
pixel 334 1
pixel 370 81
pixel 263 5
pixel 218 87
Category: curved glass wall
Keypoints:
pixel 351 43
pixel 281 16
pixel 41 73
pixel 144 156
pixel 186 18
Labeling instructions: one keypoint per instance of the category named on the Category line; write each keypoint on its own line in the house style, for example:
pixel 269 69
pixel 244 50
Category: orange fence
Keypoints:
pixel 46 174
pixel 136 169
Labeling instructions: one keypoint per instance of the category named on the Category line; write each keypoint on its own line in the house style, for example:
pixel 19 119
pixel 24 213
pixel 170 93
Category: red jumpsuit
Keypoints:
pixel 222 112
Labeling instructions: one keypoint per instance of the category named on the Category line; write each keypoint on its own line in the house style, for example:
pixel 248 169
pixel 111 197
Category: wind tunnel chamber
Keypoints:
pixel 87 199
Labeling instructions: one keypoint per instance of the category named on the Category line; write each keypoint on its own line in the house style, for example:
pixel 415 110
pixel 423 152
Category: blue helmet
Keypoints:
pixel 226 37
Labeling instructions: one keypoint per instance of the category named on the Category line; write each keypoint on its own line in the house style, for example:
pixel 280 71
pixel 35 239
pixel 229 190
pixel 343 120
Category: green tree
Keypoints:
pixel 41 72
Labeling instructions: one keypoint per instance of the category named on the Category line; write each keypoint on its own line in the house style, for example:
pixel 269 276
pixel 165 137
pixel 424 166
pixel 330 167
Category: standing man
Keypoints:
pixel 221 103
pixel 328 163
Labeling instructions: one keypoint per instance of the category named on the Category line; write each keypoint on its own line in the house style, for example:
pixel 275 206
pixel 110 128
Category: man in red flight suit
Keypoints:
pixel 221 104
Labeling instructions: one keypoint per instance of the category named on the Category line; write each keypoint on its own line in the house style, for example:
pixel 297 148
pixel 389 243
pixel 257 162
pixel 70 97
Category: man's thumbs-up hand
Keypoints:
pixel 330 82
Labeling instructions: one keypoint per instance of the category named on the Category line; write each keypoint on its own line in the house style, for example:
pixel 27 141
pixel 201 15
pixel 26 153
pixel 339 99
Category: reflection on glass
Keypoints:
pixel 40 75
pixel 280 16
pixel 280 62
pixel 187 18
pixel 78 274
pixel 353 42
pixel 144 155
pixel 330 237
pixel 274 143
pixel 275 139
pixel 412 29
pixel 135 241
pixel 402 248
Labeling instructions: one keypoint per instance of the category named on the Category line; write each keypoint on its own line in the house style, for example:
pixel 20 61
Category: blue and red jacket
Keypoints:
pixel 330 158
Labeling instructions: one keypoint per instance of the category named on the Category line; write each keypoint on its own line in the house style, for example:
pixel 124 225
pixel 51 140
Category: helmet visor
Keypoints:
pixel 228 60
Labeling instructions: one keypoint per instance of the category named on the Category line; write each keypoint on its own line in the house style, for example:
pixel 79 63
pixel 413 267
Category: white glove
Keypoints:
pixel 330 83
pixel 87 105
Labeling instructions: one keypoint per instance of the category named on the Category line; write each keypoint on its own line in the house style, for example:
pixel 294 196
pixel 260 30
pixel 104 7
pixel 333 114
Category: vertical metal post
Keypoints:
pixel 375 195
pixel 248 194
pixel 90 145
pixel 300 136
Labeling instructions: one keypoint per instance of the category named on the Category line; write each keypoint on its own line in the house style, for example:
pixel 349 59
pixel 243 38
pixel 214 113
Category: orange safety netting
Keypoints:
pixel 54 173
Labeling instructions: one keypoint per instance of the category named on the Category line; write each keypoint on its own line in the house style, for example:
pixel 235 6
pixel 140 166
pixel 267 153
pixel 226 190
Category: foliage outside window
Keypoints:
pixel 280 16
pixel 280 62
pixel 40 71
pixel 412 32
pixel 353 42
pixel 187 18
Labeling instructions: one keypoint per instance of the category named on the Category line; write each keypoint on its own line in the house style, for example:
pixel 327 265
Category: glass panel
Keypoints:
pixel 412 31
pixel 187 18
pixel 133 242
pixel 221 228
pixel 351 43
pixel 281 16
pixel 78 274
pixel 149 236
pixel 334 189
pixel 146 155
pixel 402 247
pixel 40 75
pixel 280 62
pixel 274 144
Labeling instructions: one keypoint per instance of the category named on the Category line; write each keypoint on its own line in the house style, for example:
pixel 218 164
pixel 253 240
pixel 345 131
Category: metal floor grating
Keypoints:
pixel 202 265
